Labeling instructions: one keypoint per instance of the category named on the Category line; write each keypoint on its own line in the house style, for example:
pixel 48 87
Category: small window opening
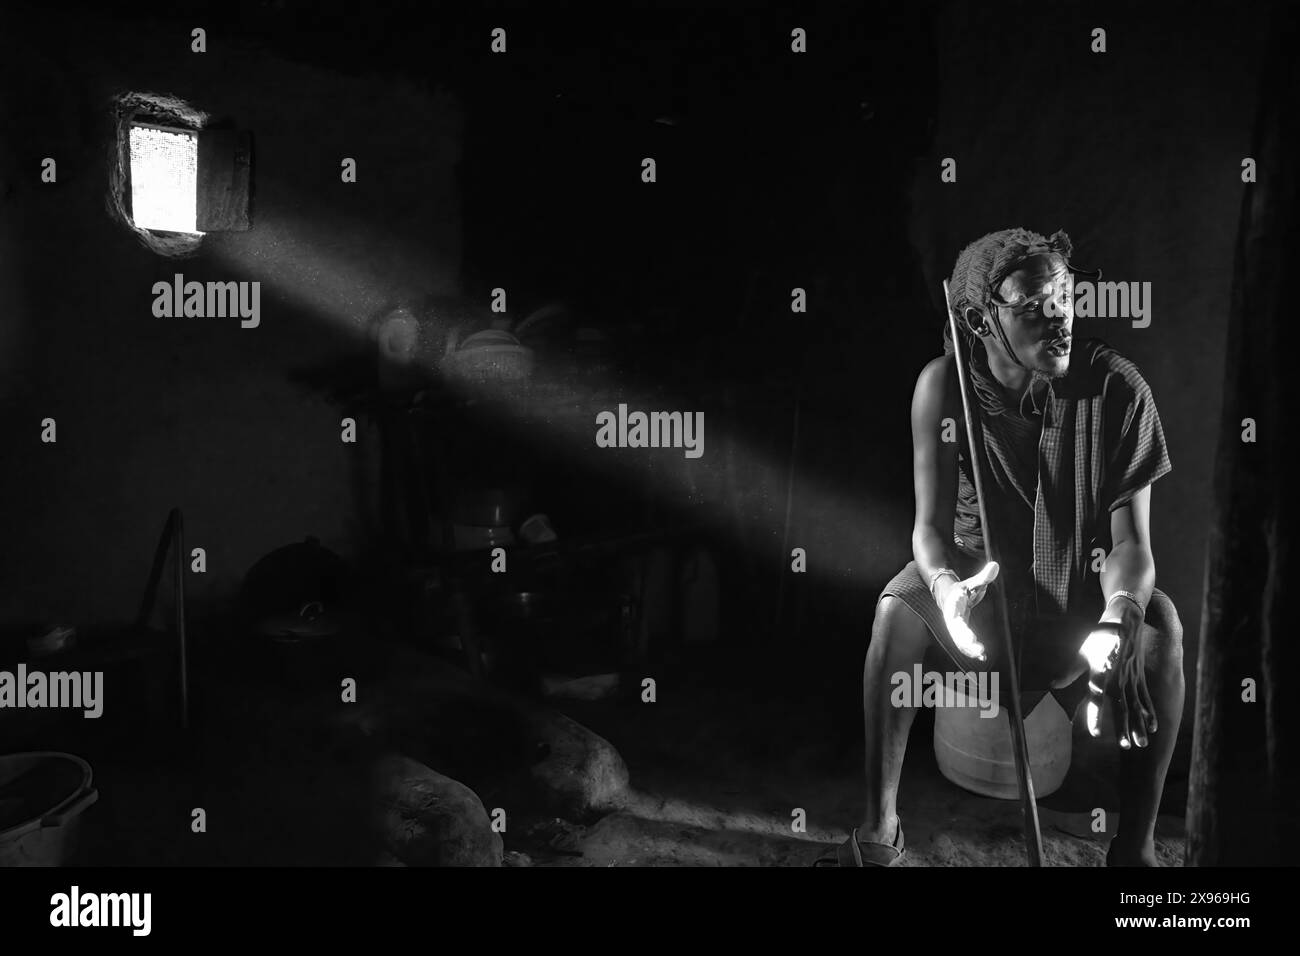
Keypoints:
pixel 164 178
pixel 174 175
pixel 154 171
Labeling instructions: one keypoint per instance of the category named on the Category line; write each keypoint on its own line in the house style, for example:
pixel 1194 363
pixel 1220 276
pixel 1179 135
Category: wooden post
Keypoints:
pixel 1244 790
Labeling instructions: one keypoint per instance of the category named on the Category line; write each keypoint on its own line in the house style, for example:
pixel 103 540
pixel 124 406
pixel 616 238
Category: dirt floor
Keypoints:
pixel 733 745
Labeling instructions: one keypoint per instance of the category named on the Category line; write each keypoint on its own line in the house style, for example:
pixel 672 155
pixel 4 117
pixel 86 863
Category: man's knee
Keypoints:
pixel 1164 636
pixel 1163 616
pixel 896 621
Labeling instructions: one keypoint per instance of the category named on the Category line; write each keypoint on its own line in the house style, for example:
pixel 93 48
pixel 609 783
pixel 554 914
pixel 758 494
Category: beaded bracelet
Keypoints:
pixel 935 577
pixel 1132 597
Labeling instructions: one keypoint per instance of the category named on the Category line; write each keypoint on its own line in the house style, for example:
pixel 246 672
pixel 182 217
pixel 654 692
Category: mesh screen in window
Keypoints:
pixel 164 178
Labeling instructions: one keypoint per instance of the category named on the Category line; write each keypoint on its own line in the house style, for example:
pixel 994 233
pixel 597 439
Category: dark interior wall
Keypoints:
pixel 197 412
pixel 1137 154
pixel 775 172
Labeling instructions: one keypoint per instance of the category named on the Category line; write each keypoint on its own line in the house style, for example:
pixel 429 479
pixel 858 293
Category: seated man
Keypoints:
pixel 1072 444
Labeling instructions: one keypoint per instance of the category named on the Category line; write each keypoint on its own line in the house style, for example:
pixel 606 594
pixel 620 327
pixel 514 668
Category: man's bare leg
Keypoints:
pixel 1143 769
pixel 898 641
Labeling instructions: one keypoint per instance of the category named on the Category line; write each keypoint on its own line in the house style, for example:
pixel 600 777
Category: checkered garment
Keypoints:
pixel 1075 450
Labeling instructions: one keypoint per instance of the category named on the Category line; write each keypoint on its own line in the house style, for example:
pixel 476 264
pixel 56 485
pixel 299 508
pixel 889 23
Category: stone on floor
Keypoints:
pixel 582 774
pixel 426 819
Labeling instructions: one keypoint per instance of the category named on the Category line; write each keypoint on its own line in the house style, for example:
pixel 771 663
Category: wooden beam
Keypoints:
pixel 1244 791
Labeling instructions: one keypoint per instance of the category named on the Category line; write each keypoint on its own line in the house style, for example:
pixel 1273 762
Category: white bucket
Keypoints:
pixel 975 753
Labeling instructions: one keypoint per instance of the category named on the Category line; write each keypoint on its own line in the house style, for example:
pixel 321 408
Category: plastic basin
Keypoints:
pixel 42 796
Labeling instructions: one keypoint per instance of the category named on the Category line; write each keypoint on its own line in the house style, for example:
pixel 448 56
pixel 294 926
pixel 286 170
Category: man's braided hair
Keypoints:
pixel 983 265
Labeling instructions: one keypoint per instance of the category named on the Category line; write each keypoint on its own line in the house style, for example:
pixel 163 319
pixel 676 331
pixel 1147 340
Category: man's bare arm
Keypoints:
pixel 1130 566
pixel 934 467
pixel 1116 650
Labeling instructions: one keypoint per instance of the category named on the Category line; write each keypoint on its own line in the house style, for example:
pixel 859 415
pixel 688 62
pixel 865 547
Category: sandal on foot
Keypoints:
pixel 855 852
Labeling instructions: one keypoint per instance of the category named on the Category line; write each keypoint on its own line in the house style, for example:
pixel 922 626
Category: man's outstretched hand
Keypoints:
pixel 957 599
pixel 1116 656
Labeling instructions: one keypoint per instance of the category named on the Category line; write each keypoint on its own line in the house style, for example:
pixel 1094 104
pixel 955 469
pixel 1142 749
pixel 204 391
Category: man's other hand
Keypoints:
pixel 1116 655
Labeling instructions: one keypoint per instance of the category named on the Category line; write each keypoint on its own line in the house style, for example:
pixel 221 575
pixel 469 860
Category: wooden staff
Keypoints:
pixel 1019 747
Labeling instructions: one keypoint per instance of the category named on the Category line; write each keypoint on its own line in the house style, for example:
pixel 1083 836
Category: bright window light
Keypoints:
pixel 164 178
